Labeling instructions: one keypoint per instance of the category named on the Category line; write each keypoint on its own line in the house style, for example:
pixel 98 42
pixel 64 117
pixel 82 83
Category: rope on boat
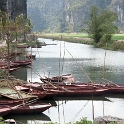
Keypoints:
pixel 63 88
pixel 19 94
pixel 50 84
pixel 80 67
pixel 110 82
pixel 25 103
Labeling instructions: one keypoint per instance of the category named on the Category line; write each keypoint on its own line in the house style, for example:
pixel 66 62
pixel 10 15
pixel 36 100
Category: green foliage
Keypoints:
pixel 83 121
pixel 51 123
pixel 113 123
pixel 101 24
pixel 3 74
pixel 34 43
pixel 65 15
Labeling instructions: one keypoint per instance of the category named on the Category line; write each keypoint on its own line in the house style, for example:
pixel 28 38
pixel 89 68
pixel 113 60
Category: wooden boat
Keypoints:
pixel 112 87
pixel 4 110
pixel 68 78
pixel 10 102
pixel 23 62
pixel 68 87
pixel 30 108
pixel 85 92
pixel 63 86
pixel 36 46
pixel 37 93
pixel 4 65
pixel 68 90
pixel 23 46
pixel 13 94
pixel 41 94
pixel 13 69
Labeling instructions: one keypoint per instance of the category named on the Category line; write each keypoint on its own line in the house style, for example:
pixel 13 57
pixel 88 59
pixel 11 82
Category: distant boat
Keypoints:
pixel 68 78
pixel 23 62
pixel 13 69
pixel 23 46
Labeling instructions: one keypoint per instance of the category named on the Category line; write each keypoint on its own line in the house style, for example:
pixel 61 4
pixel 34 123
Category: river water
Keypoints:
pixel 79 60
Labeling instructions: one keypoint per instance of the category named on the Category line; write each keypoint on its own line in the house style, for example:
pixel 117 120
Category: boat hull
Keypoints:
pixel 30 109
pixel 4 111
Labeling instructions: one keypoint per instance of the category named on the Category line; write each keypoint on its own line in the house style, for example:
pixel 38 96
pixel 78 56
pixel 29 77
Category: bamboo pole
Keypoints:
pixel 80 67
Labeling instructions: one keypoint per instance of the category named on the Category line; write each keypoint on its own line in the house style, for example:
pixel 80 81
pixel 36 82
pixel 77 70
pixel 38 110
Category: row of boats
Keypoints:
pixel 14 65
pixel 22 98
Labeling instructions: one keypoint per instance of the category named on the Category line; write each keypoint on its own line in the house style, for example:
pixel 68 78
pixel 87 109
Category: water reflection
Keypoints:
pixel 23 119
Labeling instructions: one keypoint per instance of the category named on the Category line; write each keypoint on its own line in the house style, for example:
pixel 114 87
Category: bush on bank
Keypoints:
pixel 117 43
pixel 82 121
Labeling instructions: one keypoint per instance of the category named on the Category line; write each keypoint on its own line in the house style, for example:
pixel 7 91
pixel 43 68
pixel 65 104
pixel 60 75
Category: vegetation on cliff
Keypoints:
pixel 68 15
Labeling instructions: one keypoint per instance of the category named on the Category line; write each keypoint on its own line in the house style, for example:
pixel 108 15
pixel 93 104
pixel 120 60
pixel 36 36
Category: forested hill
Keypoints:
pixel 68 15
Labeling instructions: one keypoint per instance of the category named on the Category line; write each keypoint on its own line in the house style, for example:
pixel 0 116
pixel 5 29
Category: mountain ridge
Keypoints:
pixel 68 15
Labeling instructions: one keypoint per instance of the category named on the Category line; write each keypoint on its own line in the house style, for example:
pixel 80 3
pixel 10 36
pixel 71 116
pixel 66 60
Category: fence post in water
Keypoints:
pixel 92 107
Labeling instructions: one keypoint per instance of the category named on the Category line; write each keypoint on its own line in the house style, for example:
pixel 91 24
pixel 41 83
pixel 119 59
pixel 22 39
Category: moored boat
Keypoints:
pixel 23 62
pixel 14 94
pixel 40 93
pixel 68 78
pixel 68 90
pixel 13 69
pixel 4 110
pixel 10 102
pixel 30 109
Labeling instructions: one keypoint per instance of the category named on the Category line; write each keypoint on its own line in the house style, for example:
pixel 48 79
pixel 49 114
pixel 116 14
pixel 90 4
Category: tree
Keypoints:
pixel 24 26
pixel 101 24
pixel 8 28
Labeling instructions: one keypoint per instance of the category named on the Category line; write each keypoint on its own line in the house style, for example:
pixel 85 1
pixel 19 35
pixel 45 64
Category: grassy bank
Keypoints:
pixel 75 38
pixel 117 42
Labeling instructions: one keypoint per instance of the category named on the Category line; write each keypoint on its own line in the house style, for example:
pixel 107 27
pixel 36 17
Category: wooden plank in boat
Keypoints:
pixel 13 94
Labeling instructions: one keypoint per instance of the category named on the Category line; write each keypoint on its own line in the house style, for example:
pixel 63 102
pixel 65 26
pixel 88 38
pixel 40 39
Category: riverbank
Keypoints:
pixel 116 44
